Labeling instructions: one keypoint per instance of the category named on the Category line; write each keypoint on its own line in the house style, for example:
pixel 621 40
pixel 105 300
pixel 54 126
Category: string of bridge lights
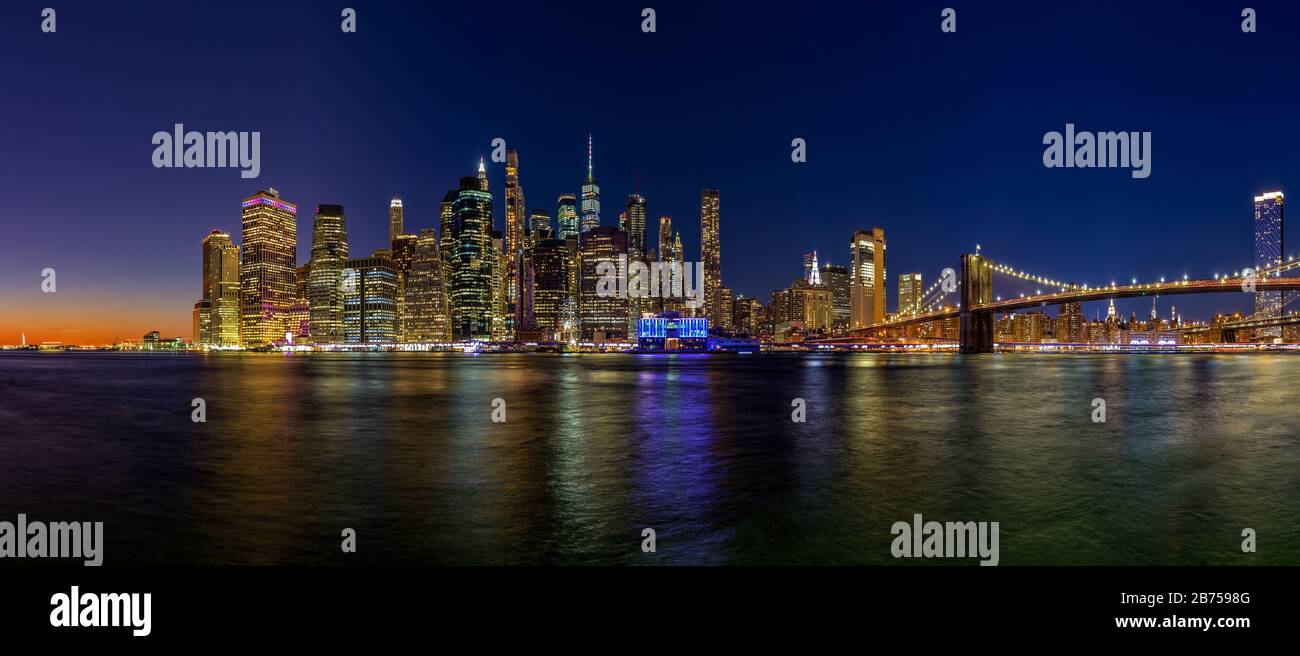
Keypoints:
pixel 936 303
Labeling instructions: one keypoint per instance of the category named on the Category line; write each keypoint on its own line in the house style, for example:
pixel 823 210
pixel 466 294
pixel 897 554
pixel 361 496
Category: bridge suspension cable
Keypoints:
pixel 1042 280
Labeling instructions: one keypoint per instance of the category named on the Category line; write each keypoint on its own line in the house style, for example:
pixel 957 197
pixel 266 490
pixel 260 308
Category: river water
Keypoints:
pixel 593 449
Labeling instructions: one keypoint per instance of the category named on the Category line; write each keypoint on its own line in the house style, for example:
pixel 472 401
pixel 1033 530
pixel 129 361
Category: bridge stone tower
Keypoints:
pixel 976 334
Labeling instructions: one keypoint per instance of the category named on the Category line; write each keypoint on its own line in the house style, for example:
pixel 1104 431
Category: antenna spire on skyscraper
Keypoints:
pixel 589 170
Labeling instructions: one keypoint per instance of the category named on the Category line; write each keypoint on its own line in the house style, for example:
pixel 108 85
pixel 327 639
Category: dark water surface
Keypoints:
pixel 402 448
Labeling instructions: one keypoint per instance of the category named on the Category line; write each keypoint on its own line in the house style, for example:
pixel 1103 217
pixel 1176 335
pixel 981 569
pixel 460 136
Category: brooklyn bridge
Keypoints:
pixel 977 305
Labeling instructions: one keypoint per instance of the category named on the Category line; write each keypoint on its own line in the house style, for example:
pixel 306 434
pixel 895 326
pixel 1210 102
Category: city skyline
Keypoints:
pixel 869 163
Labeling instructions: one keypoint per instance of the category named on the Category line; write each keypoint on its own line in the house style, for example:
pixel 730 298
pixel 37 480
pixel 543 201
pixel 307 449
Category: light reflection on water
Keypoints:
pixel 701 448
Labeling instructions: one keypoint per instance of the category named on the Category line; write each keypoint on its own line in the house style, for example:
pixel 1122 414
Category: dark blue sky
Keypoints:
pixel 935 137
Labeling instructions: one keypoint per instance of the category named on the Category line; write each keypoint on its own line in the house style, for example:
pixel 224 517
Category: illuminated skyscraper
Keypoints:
pixel 473 260
pixel 199 319
pixel 811 271
pixel 446 243
pixel 748 315
pixel 370 301
pixel 711 256
pixel 515 227
pixel 867 277
pixel 836 278
pixel 675 264
pixel 403 254
pixel 602 316
pixel 539 225
pixel 551 275
pixel 394 218
pixel 778 310
pixel 1071 326
pixel 909 293
pixel 220 303
pixel 726 303
pixel 1268 254
pixel 817 305
pixel 665 238
pixel 426 316
pixel 502 319
pixel 590 196
pixel 634 223
pixel 569 323
pixel 203 308
pixel 267 271
pixel 329 257
pixel 567 216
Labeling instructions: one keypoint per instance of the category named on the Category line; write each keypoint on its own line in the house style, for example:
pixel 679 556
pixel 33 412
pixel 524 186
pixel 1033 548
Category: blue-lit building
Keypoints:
pixel 672 332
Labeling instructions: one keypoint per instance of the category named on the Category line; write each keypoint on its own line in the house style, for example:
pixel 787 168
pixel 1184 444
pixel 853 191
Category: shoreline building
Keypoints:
pixel 329 258
pixel 1071 325
pixel 426 315
pixel 590 195
pixel 602 314
pixel 370 301
pixel 268 267
pixel 910 291
pixel 472 259
pixel 220 323
pixel 550 283
pixel 514 242
pixel 836 277
pixel 867 277
pixel 1268 254
pixel 633 221
pixel 711 256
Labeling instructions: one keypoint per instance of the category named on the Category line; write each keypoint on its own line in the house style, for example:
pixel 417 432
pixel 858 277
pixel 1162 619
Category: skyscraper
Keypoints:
pixel 1268 254
pixel 567 216
pixel 551 275
pixel 726 303
pixel 267 270
pixel 910 290
pixel 394 218
pixel 539 225
pixel 665 238
pixel 425 316
pixel 329 257
pixel 811 271
pixel 1071 326
pixel 203 308
pixel 220 291
pixel 370 301
pixel 836 278
pixel 634 223
pixel 502 317
pixel 472 260
pixel 446 221
pixel 403 254
pixel 590 195
pixel 748 315
pixel 602 316
pixel 867 277
pixel 711 255
pixel 515 227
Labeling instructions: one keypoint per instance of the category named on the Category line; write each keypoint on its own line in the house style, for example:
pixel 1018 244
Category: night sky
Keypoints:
pixel 935 137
